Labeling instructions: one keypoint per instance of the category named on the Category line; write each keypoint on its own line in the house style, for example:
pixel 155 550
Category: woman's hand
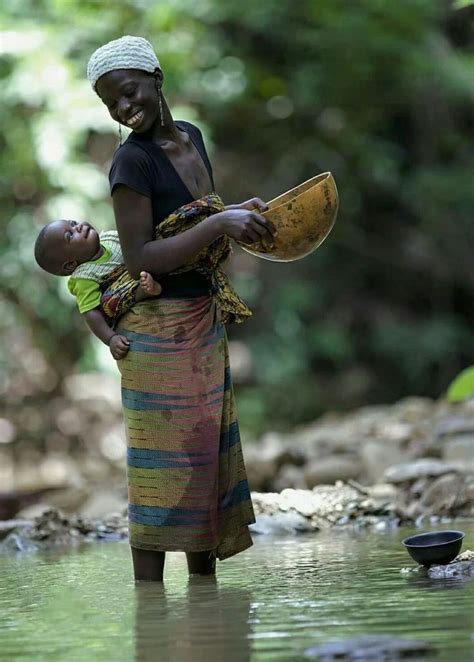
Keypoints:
pixel 119 346
pixel 252 204
pixel 245 225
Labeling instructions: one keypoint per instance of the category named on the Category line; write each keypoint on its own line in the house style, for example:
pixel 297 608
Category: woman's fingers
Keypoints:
pixel 251 236
pixel 253 203
pixel 264 227
pixel 249 227
pixel 259 204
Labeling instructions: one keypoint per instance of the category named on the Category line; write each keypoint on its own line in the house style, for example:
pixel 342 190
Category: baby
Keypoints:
pixel 77 250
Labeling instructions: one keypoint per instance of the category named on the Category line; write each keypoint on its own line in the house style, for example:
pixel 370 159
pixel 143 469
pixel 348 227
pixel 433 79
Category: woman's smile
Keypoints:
pixel 135 120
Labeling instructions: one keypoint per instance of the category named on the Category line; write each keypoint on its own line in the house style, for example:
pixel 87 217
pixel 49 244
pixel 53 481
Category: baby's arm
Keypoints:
pixel 97 323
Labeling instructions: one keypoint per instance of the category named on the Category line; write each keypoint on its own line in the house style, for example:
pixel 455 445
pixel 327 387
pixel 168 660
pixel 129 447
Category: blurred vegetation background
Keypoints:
pixel 380 93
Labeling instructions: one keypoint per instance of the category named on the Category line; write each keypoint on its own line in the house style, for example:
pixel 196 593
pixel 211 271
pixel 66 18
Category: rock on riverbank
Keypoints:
pixel 54 530
pixel 400 463
pixel 379 466
pixel 418 445
pixel 412 441
pixel 292 511
pixel 380 506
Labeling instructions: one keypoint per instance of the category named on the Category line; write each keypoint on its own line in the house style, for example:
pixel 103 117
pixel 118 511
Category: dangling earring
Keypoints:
pixel 161 109
pixel 120 133
pixel 160 103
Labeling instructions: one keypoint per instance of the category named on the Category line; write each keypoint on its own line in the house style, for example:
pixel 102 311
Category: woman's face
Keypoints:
pixel 131 97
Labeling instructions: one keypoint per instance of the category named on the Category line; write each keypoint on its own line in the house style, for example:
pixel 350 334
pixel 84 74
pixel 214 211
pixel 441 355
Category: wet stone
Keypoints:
pixel 461 567
pixel 458 569
pixel 52 530
pixel 16 542
pixel 281 523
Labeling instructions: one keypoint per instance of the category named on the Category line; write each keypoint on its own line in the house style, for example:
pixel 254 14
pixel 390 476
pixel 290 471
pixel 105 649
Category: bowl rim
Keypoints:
pixel 318 179
pixel 460 536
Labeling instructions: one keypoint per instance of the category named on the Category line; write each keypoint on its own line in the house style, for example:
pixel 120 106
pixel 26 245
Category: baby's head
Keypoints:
pixel 62 246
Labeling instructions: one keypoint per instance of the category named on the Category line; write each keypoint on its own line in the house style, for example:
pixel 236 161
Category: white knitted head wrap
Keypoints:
pixel 124 53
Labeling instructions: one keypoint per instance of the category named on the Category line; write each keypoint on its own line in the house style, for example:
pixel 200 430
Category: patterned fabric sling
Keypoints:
pixel 118 289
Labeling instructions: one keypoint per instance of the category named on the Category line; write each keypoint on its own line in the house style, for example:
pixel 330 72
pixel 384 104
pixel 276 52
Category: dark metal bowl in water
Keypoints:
pixel 439 547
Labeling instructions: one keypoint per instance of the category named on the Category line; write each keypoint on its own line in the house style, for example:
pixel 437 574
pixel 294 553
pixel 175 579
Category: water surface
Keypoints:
pixel 272 602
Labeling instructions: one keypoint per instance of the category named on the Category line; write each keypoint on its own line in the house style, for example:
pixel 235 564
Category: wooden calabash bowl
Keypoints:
pixel 303 217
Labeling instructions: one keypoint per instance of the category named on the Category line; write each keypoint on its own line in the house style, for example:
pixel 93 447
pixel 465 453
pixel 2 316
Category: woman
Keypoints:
pixel 188 489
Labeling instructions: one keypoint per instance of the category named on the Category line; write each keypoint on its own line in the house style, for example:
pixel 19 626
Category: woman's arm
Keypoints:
pixel 134 219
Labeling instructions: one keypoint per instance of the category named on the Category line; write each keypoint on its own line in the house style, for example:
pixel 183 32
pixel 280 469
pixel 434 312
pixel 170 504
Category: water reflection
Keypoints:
pixel 207 622
pixel 424 583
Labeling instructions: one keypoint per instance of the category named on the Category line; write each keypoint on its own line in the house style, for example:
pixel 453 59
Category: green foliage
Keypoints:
pixel 379 93
pixel 462 387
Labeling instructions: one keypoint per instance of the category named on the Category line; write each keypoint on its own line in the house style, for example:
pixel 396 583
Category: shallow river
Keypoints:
pixel 273 602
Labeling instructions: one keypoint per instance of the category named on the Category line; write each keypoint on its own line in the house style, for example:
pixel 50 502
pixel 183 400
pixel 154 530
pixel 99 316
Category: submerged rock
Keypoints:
pixel 10 525
pixel 16 542
pixel 372 647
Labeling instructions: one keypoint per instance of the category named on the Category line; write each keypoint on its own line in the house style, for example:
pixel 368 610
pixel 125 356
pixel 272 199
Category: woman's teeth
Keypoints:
pixel 135 119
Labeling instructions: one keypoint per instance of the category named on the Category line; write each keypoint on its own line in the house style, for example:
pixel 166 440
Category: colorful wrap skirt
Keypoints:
pixel 187 483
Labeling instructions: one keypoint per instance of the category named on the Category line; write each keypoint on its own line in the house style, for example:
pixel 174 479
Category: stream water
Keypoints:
pixel 272 602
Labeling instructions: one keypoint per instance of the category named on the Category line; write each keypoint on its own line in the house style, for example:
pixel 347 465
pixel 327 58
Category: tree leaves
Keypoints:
pixel 462 387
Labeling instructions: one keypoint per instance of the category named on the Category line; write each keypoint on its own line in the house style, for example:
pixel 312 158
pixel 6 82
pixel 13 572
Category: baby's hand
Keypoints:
pixel 119 346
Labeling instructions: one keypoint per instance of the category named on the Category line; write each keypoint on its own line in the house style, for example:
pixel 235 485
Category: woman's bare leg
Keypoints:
pixel 201 563
pixel 148 565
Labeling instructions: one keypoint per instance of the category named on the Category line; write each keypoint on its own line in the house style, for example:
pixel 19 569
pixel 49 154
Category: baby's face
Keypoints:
pixel 73 243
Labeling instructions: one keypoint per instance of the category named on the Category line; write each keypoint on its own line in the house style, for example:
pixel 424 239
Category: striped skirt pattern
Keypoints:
pixel 187 485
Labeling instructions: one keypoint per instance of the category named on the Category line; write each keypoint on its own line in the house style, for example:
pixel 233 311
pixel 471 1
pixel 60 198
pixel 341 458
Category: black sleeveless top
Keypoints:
pixel 143 166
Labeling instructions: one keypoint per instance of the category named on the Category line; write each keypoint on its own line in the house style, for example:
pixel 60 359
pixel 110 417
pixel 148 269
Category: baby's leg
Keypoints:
pixel 148 287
